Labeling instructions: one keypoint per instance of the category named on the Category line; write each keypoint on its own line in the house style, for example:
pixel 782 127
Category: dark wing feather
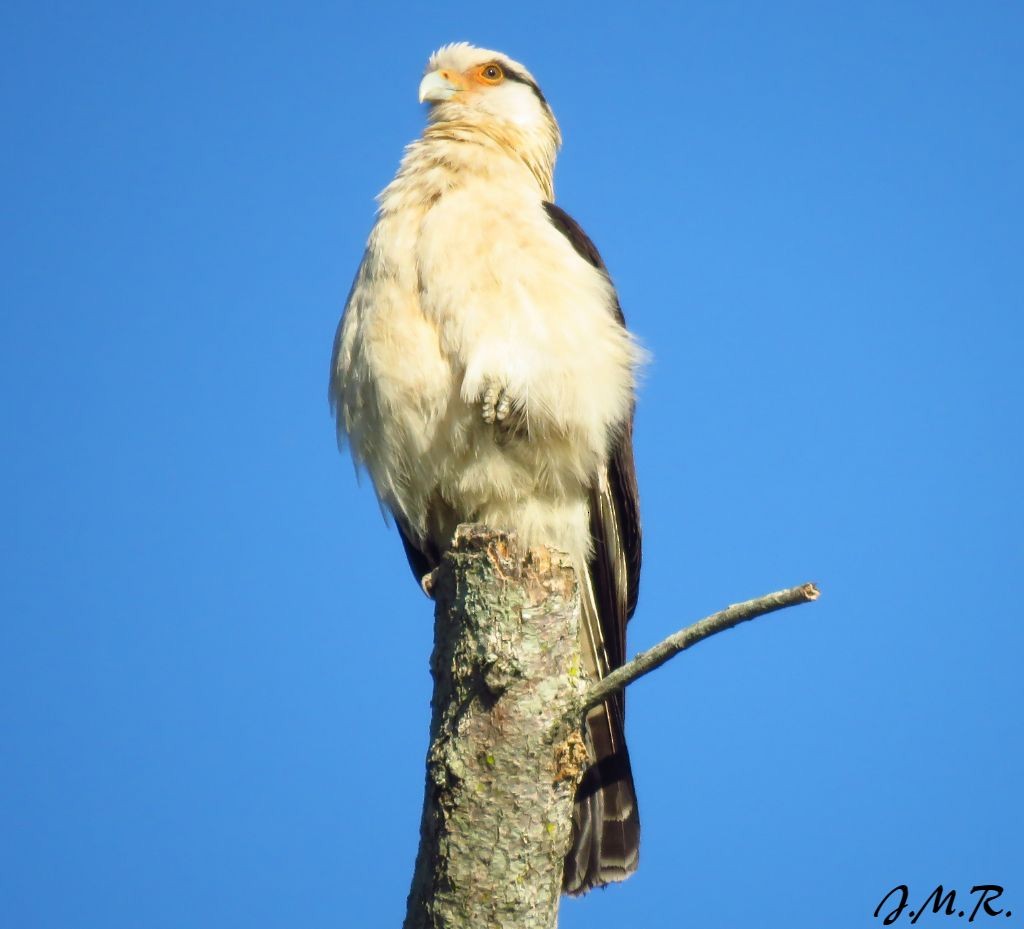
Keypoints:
pixel 624 491
pixel 606 834
pixel 422 554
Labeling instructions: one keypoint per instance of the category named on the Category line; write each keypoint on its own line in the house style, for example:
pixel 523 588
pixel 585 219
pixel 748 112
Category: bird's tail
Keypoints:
pixel 606 823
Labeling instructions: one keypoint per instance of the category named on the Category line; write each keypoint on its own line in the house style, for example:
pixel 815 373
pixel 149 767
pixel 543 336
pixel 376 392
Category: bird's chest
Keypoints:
pixel 478 264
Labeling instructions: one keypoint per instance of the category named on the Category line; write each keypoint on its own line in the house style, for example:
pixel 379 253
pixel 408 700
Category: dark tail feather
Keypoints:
pixel 606 825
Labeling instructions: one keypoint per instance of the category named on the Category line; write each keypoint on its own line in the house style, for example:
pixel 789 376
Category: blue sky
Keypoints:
pixel 213 661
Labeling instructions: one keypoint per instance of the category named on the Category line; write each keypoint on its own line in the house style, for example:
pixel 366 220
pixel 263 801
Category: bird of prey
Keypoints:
pixel 482 372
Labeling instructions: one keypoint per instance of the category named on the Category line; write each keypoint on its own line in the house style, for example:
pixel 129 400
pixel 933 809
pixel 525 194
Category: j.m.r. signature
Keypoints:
pixel 896 903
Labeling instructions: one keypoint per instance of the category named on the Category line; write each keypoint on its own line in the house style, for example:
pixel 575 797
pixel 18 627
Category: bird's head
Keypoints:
pixel 489 91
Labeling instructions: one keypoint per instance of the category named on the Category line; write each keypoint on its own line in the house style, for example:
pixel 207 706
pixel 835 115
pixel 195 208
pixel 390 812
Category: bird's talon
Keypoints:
pixel 428 581
pixel 487 406
pixel 496 405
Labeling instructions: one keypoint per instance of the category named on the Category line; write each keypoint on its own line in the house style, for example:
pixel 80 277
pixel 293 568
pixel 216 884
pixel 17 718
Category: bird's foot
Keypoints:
pixel 496 404
pixel 428 581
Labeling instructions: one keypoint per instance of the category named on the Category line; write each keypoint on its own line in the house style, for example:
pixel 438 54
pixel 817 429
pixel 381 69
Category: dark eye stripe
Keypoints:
pixel 520 78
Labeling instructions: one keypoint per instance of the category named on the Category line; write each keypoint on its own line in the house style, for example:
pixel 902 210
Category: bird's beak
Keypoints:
pixel 438 86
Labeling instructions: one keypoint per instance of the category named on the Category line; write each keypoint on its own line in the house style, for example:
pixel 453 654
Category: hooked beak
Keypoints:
pixel 437 87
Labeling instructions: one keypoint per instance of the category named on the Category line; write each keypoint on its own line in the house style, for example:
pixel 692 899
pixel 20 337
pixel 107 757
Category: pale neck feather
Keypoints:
pixel 450 151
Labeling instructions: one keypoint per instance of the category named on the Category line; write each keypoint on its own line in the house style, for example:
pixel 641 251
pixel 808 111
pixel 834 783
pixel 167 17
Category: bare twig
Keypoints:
pixel 731 616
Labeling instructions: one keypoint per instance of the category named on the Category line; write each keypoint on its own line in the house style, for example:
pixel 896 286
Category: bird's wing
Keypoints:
pixel 615 510
pixel 606 823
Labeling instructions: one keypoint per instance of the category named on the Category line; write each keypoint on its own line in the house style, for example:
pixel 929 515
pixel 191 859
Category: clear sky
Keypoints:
pixel 213 659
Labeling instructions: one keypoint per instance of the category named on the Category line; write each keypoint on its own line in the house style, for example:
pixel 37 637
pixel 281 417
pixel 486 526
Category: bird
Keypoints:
pixel 482 372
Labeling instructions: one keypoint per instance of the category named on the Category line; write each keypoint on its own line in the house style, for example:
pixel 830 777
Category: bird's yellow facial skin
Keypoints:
pixel 453 78
pixel 445 83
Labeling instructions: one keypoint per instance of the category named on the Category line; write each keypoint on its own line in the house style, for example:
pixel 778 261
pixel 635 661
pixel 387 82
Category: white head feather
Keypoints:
pixel 511 109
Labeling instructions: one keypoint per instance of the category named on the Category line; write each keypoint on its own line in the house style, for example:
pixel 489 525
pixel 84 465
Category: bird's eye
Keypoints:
pixel 492 74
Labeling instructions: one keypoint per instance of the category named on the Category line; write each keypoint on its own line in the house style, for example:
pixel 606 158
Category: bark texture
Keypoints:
pixel 501 770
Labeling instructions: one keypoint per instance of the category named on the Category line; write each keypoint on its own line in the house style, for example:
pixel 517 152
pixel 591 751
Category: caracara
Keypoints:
pixel 482 372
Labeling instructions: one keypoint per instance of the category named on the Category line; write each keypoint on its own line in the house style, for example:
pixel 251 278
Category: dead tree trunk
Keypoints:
pixel 501 769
